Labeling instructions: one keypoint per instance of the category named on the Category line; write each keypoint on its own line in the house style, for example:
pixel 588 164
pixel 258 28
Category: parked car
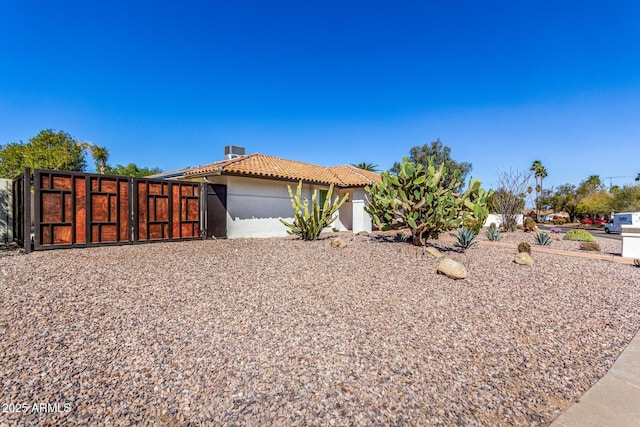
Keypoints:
pixel 593 221
pixel 547 218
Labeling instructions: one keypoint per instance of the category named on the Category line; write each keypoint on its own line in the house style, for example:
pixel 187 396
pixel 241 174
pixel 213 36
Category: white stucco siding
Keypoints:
pixel 361 219
pixel 255 206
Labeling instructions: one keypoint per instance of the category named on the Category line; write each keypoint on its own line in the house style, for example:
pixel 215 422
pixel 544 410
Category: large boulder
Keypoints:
pixel 452 269
pixel 523 258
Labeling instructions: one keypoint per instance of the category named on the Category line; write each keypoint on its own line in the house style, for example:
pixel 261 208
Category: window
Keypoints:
pixel 322 197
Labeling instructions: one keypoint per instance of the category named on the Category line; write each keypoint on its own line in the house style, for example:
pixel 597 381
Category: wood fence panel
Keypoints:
pixel 77 209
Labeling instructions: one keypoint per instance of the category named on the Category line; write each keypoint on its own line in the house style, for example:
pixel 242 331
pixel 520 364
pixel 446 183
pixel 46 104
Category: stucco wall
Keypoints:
pixel 497 219
pixel 255 205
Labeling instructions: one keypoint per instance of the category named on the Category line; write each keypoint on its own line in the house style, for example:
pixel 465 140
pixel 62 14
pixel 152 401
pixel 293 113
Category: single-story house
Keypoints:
pixel 247 194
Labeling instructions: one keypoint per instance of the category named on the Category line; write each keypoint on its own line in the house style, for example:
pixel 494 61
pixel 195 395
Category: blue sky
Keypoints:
pixel 168 85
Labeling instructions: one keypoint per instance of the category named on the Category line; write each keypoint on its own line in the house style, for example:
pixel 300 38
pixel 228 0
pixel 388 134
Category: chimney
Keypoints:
pixel 232 151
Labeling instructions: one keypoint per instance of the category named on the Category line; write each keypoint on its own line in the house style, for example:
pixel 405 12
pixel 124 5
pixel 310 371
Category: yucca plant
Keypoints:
pixel 493 234
pixel 308 224
pixel 543 239
pixel 465 238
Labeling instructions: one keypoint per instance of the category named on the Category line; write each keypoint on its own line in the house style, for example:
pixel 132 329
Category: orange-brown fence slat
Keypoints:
pixel 77 209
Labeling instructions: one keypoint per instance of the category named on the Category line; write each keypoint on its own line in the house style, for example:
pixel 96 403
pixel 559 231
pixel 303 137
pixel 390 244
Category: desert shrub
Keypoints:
pixel 543 239
pixel 529 224
pixel 524 247
pixel 589 246
pixel 493 234
pixel 473 224
pixel 559 221
pixel 579 235
pixel 465 238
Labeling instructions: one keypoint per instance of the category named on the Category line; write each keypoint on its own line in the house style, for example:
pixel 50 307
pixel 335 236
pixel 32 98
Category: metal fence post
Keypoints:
pixel 26 188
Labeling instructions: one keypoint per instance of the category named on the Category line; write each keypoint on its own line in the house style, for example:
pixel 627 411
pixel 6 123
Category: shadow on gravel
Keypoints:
pixel 394 239
pixel 10 249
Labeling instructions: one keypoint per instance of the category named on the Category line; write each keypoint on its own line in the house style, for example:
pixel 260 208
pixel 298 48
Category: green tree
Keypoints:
pixel 131 170
pixel 638 177
pixel 419 198
pixel 12 160
pixel 47 150
pixel 565 199
pixel 625 199
pixel 595 204
pixel 366 166
pixel 440 155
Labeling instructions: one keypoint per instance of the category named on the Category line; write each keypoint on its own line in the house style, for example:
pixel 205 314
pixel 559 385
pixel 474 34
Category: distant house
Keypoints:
pixel 247 194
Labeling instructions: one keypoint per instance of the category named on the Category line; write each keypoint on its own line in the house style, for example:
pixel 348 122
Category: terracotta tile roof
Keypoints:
pixel 261 165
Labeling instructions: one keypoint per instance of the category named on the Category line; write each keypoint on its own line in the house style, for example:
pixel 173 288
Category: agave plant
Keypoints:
pixel 465 238
pixel 401 237
pixel 493 234
pixel 543 239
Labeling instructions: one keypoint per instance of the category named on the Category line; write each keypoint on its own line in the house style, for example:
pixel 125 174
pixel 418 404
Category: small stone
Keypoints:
pixel 434 252
pixel 523 258
pixel 338 243
pixel 452 269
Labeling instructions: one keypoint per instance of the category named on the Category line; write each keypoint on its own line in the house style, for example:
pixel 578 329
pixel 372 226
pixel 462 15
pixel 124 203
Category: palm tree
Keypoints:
pixel 540 173
pixel 99 154
pixel 366 166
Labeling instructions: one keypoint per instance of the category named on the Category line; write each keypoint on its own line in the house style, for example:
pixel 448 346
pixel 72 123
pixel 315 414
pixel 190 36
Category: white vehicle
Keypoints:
pixel 547 218
pixel 625 218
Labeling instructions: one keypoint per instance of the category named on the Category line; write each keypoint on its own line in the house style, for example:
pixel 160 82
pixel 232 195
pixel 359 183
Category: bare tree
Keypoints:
pixel 508 200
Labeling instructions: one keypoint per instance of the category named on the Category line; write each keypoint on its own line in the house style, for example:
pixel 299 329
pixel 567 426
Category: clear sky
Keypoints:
pixel 169 84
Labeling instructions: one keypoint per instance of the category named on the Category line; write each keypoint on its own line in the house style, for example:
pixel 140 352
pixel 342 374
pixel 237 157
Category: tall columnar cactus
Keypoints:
pixel 419 198
pixel 308 224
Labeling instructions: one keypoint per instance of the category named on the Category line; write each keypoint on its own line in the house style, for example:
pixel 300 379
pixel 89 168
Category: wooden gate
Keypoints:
pixel 77 209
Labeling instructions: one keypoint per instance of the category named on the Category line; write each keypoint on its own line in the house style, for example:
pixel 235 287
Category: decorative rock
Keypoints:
pixel 523 258
pixel 362 233
pixel 338 243
pixel 452 269
pixel 434 252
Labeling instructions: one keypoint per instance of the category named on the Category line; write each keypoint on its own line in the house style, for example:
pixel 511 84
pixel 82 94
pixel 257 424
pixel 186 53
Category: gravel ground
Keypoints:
pixel 284 332
pixel 607 246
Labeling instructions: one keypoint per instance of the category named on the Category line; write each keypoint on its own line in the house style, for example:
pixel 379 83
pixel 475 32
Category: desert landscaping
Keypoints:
pixel 281 331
